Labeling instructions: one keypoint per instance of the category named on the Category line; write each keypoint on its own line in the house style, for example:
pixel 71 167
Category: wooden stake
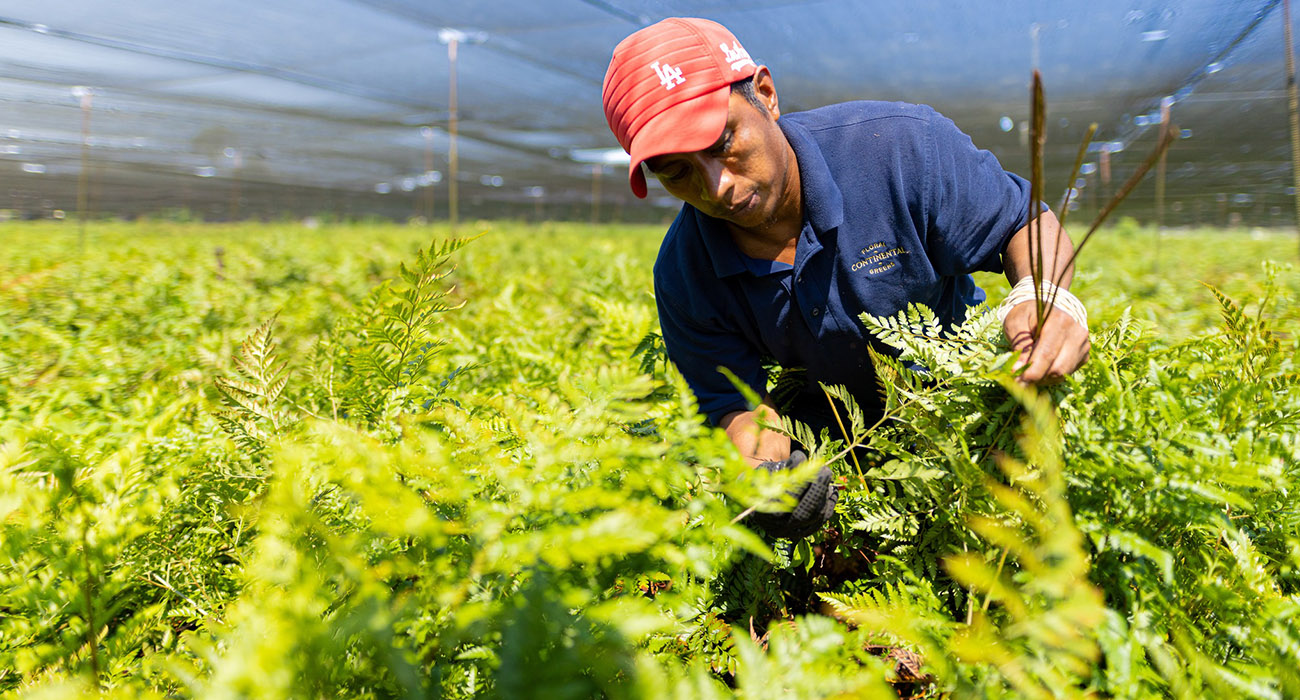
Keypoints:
pixel 1293 105
pixel 1160 177
pixel 451 152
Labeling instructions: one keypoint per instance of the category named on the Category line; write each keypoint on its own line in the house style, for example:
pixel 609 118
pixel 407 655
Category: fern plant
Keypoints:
pixel 253 414
pixel 386 348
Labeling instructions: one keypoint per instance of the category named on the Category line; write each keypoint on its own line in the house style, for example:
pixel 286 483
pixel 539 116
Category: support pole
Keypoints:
pixel 596 171
pixel 235 194
pixel 451 153
pixel 1293 105
pixel 428 173
pixel 453 38
pixel 1104 166
pixel 1160 177
pixel 83 178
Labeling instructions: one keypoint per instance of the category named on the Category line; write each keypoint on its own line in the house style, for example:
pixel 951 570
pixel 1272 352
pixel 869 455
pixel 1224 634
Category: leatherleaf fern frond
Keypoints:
pixel 252 415
pixel 920 338
pixel 393 337
pixel 880 600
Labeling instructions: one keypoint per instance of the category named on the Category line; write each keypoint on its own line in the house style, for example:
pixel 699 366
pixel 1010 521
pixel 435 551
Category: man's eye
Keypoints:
pixel 725 144
pixel 673 173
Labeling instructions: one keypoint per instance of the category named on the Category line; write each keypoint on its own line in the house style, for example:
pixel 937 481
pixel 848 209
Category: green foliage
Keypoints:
pixel 1150 549
pixel 311 466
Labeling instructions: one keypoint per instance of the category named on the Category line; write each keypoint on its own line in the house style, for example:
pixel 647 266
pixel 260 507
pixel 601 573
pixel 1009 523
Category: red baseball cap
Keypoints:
pixel 668 86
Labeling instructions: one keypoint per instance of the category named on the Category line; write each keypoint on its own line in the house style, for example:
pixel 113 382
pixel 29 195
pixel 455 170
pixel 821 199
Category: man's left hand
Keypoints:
pixel 814 503
pixel 1060 349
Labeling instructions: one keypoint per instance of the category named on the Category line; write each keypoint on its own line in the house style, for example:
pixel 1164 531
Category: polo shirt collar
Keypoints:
pixel 823 204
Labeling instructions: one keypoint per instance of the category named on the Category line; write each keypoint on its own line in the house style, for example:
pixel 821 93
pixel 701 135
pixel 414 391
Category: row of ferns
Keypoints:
pixel 358 507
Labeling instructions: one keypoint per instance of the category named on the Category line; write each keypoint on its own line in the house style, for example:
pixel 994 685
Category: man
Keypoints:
pixel 793 226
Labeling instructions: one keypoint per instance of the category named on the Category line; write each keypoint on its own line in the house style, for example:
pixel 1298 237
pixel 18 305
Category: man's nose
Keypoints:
pixel 718 181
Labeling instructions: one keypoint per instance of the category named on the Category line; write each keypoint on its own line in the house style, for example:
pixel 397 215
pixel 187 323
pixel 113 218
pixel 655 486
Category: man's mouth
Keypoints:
pixel 743 206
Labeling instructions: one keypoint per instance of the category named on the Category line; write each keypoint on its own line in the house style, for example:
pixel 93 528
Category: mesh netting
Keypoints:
pixel 251 108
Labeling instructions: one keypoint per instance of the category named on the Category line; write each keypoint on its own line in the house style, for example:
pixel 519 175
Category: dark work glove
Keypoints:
pixel 816 503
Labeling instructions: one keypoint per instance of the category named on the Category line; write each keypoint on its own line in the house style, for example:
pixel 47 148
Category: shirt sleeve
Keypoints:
pixel 698 347
pixel 973 206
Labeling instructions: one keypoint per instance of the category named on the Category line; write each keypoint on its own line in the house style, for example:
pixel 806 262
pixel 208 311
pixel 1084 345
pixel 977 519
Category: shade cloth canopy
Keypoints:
pixel 260 107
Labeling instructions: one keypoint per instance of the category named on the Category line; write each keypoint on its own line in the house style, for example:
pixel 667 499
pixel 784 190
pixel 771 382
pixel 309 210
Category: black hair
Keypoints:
pixel 746 89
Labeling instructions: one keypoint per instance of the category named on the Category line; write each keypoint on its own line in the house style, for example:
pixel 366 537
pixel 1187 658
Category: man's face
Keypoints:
pixel 744 178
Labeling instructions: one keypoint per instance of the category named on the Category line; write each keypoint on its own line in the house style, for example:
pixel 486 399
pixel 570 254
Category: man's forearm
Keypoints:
pixel 1020 257
pixel 755 443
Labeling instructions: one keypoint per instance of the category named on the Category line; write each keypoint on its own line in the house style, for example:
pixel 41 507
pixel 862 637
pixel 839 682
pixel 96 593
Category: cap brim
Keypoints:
pixel 686 127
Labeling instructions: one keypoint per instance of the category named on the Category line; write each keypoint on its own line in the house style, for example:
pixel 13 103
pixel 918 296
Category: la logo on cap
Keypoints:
pixel 669 77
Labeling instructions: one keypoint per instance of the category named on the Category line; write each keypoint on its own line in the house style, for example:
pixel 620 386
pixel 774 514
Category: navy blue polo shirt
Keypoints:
pixel 899 207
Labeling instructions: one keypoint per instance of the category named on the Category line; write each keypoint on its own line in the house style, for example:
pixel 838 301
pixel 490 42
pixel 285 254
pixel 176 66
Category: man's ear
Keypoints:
pixel 765 87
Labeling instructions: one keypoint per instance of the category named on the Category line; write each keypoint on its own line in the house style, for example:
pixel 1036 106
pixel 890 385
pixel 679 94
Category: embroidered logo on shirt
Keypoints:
pixel 878 262
pixel 669 77
pixel 737 56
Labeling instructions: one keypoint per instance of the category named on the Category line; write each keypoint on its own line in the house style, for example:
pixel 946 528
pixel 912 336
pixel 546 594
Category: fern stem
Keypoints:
pixel 1074 173
pixel 965 549
pixel 845 433
pixel 329 387
pixel 941 339
pixel 1006 423
pixel 744 513
pixel 988 596
pixel 885 415
pixel 87 588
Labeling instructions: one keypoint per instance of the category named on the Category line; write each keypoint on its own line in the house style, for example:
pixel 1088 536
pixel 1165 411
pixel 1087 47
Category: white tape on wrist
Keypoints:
pixel 1061 299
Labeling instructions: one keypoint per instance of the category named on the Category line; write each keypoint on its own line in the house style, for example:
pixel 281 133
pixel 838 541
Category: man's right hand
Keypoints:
pixel 815 503
pixel 755 443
